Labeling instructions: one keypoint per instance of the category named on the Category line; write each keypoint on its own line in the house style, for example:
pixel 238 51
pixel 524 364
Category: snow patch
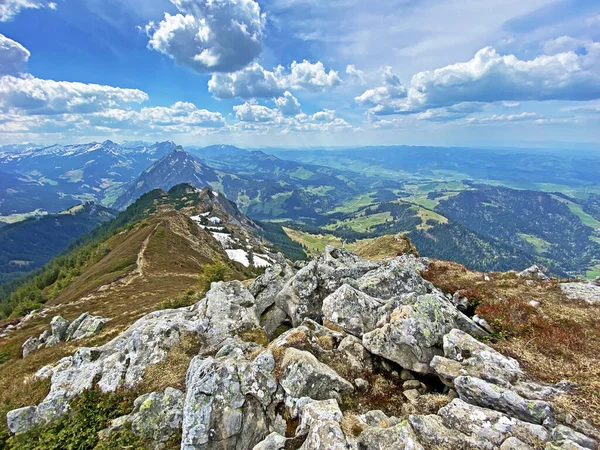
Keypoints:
pixel 238 255
pixel 223 239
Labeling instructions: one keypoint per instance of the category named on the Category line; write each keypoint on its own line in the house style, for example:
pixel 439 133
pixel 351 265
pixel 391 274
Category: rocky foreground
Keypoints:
pixel 342 353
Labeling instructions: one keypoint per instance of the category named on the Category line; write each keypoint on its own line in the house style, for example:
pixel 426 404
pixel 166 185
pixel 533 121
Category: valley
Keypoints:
pixel 476 205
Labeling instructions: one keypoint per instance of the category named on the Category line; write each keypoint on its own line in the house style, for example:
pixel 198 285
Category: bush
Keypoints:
pixel 187 299
pixel 212 273
pixel 92 411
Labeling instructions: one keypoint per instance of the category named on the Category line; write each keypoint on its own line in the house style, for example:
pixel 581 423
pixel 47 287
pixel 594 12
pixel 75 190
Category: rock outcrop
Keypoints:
pixel 61 331
pixel 363 336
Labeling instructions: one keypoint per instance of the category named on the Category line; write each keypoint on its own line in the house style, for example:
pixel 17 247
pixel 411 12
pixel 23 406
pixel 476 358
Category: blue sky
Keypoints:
pixel 301 72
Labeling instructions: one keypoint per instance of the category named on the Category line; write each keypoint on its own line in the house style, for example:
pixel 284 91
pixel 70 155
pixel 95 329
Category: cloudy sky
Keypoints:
pixel 301 72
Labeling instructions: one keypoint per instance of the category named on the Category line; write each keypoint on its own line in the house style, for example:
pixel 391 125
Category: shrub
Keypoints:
pixel 92 411
pixel 212 273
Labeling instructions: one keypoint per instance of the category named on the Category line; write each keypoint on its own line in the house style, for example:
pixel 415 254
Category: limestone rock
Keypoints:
pixel 355 354
pixel 226 400
pixel 155 417
pixel 273 441
pixel 305 376
pixel 120 362
pixel 88 327
pixel 587 292
pixel 272 319
pixel 30 345
pixel 490 425
pixel 73 326
pixel 266 287
pixel 563 434
pixel 303 294
pixel 58 326
pixel 475 359
pixel 353 310
pixel 227 310
pixel 22 419
pixel 397 437
pixel 392 279
pixel 433 433
pixel 479 392
pixel 534 272
pixel 415 332
pixel 512 443
pixel 321 420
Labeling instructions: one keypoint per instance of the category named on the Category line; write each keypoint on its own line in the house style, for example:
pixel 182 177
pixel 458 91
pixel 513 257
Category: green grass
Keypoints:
pixel 540 244
pixel 576 209
pixel 427 215
pixel 362 224
pixel 314 244
pixel 302 174
pixel 355 203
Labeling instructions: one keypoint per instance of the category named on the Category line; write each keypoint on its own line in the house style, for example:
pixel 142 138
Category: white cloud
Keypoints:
pixel 252 112
pixel 288 104
pixel 256 82
pixel 10 8
pixel 180 117
pixel 454 112
pixel 522 117
pixel 210 35
pixel 32 95
pixel 260 118
pixel 391 90
pixel 253 81
pixel 312 77
pixel 490 77
pixel 564 44
pixel 356 74
pixel 13 57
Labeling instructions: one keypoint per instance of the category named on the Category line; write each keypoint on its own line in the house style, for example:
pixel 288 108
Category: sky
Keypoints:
pixel 301 73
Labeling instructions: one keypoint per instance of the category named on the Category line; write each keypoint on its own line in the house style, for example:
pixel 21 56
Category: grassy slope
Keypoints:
pixel 171 251
pixel 558 340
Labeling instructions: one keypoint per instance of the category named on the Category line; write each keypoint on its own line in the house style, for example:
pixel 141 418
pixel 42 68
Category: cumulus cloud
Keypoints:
pixel 32 95
pixel 288 104
pixel 210 35
pixel 490 77
pixel 13 57
pixel 180 118
pixel 312 77
pixel 252 82
pixel 256 82
pixel 10 8
pixel 259 118
pixel 252 112
pixel 356 74
pixel 390 91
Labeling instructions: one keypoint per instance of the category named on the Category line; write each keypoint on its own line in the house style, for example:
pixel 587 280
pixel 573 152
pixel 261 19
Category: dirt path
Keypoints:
pixel 140 262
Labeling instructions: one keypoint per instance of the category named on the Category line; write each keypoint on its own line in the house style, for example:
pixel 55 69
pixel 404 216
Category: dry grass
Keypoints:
pixel 351 425
pixel 175 255
pixel 558 340
pixel 386 247
pixel 172 371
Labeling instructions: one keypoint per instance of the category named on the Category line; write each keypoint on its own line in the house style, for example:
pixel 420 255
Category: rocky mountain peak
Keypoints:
pixel 340 353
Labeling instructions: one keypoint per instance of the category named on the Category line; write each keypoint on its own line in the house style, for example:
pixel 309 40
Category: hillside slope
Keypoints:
pixel 343 353
pixel 28 245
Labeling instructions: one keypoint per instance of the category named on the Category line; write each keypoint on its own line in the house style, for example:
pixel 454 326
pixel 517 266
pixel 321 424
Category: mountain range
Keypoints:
pixel 367 192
